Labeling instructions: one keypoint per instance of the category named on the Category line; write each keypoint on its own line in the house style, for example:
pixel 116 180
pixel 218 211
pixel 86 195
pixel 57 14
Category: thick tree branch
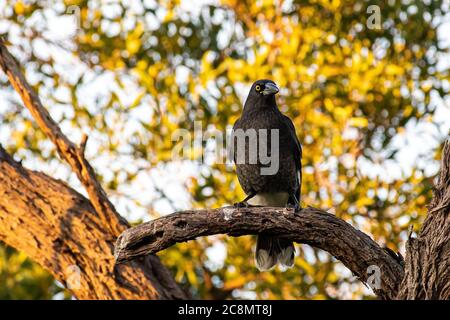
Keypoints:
pixel 59 228
pixel 312 226
pixel 67 150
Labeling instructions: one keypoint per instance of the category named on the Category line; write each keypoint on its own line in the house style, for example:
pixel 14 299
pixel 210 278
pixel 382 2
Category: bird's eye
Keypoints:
pixel 257 88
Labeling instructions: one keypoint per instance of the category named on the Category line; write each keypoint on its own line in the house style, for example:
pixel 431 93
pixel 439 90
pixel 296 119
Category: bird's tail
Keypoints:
pixel 270 250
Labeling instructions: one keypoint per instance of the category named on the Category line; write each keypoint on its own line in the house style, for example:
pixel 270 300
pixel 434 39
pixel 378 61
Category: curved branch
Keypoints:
pixel 356 250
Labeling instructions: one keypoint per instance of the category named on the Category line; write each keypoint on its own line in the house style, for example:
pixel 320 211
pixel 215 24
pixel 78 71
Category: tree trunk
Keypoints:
pixel 71 236
pixel 427 267
pixel 59 229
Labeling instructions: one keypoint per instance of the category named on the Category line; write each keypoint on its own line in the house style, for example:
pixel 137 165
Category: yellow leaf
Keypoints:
pixel 359 122
pixel 133 45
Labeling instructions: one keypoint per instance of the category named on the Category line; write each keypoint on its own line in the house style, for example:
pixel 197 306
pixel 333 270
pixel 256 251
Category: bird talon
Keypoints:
pixel 242 204
pixel 297 208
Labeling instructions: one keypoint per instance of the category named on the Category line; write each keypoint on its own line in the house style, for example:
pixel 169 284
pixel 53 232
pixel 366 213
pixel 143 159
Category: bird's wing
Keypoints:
pixel 232 145
pixel 297 153
pixel 297 145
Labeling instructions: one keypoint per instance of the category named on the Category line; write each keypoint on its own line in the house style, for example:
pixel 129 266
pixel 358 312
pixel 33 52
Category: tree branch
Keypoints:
pixel 59 228
pixel 67 150
pixel 312 226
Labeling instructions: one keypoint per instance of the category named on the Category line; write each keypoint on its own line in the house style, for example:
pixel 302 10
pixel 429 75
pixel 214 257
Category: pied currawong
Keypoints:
pixel 270 176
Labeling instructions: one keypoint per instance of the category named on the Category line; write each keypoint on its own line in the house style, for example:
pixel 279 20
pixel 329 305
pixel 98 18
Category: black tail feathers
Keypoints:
pixel 270 250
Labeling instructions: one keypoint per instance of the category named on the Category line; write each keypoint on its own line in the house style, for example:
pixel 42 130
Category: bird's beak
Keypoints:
pixel 270 88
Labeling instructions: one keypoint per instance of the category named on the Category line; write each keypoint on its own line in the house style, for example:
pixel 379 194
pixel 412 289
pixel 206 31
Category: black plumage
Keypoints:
pixel 279 189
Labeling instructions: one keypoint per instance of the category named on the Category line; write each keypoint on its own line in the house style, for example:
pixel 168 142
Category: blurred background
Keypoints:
pixel 367 89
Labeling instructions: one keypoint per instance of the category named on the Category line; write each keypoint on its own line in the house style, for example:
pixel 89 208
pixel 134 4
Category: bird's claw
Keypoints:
pixel 242 204
pixel 297 208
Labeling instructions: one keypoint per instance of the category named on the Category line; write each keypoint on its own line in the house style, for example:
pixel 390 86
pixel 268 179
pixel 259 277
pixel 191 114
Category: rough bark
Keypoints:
pixel 62 230
pixel 59 229
pixel 312 226
pixel 67 150
pixel 427 265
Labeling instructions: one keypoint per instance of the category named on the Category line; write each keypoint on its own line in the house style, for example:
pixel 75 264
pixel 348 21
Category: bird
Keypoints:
pixel 280 188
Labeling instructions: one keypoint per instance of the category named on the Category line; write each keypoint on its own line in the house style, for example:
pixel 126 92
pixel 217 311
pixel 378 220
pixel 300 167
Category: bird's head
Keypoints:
pixel 264 88
pixel 262 94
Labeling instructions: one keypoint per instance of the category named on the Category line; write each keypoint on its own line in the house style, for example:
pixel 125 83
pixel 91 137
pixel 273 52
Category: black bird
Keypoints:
pixel 279 188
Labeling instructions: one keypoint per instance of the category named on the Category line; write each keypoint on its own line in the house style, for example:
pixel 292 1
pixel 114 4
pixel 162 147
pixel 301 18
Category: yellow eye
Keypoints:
pixel 257 88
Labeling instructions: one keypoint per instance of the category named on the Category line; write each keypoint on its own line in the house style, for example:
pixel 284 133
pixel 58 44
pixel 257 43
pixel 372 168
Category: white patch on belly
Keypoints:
pixel 277 199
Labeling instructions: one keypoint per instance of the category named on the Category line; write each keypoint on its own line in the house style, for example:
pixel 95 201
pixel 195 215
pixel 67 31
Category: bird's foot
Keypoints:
pixel 297 208
pixel 242 204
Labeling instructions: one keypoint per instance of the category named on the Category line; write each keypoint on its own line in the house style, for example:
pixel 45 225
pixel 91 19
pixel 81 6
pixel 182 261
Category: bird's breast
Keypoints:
pixel 270 199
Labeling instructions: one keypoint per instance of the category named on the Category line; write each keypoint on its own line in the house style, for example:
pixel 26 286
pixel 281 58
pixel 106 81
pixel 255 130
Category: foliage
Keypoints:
pixel 20 278
pixel 134 73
